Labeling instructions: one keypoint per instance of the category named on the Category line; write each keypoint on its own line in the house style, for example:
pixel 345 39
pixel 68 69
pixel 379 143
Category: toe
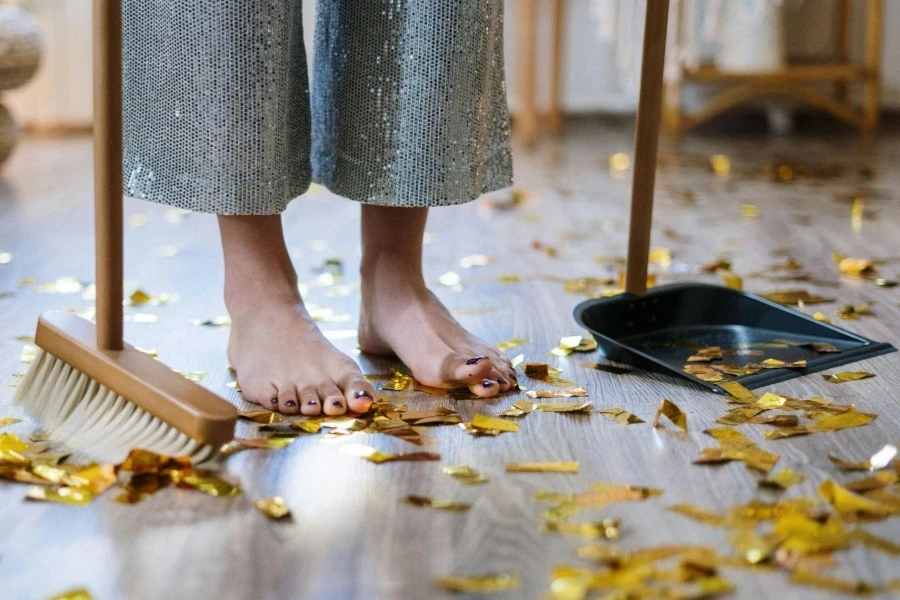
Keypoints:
pixel 358 393
pixel 287 399
pixel 333 402
pixel 265 394
pixel 467 370
pixel 310 404
pixel 486 388
pixel 504 383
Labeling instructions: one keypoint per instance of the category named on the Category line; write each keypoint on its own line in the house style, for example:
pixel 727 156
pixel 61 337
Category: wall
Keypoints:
pixel 598 77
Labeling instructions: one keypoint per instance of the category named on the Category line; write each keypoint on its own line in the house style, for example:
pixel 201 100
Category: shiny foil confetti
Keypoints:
pixel 737 391
pixel 792 297
pixel 856 267
pixel 378 457
pixel 668 409
pixel 574 343
pixel 477 584
pixel 399 382
pixel 730 280
pixel 464 474
pixel 567 407
pixel 260 416
pixel 566 393
pixel 425 502
pixel 511 343
pixel 846 376
pixel 486 423
pixel 273 508
pixel 543 467
pixel 6 421
pixel 782 480
pixel 520 408
pixel 620 416
pixel 75 594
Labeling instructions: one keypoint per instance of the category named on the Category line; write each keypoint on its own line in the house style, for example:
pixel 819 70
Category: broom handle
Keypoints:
pixel 645 146
pixel 108 171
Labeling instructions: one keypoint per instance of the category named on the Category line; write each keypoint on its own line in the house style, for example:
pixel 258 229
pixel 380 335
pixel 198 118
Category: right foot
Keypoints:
pixel 282 360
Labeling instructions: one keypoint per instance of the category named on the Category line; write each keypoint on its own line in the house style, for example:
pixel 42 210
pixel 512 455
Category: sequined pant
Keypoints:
pixel 406 107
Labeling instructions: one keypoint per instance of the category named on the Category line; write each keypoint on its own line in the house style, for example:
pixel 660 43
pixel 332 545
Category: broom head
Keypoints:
pixel 106 402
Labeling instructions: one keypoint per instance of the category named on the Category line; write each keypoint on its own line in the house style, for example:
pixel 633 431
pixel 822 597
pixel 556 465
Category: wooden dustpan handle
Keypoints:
pixel 645 146
pixel 108 171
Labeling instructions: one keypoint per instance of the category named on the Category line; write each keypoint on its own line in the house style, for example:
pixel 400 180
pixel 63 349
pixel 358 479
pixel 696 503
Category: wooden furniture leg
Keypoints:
pixel 527 120
pixel 842 43
pixel 872 62
pixel 554 117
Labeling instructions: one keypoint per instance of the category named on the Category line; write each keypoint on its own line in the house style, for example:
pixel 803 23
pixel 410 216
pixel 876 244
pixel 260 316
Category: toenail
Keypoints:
pixel 513 377
pixel 363 394
pixel 290 403
pixel 312 402
pixel 337 404
pixel 274 400
pixel 487 383
pixel 476 360
pixel 501 381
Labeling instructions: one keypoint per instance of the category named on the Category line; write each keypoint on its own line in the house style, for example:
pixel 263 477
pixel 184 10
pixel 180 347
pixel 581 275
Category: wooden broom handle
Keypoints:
pixel 646 140
pixel 108 211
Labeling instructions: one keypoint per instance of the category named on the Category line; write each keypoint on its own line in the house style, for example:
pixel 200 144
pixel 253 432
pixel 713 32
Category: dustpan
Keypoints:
pixel 660 329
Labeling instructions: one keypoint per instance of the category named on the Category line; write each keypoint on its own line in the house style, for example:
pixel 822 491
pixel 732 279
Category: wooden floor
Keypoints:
pixel 351 537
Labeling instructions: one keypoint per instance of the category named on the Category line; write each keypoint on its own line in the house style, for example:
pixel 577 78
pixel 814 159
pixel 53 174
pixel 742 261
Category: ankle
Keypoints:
pixel 396 268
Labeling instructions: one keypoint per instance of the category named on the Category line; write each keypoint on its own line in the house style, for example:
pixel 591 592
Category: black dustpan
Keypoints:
pixel 659 330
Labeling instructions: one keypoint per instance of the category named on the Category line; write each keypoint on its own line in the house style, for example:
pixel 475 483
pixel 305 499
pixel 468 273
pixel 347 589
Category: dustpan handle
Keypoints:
pixel 108 170
pixel 645 146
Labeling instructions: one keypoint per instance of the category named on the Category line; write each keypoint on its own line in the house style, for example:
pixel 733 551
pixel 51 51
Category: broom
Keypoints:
pixel 86 385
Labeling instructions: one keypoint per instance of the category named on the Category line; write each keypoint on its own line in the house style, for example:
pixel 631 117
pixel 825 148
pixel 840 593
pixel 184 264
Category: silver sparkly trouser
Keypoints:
pixel 408 102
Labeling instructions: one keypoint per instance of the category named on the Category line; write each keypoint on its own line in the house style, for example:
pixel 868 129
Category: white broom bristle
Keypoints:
pixel 91 418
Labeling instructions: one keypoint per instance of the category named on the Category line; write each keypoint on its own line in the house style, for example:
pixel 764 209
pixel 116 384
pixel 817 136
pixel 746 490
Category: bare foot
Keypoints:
pixel 400 316
pixel 283 361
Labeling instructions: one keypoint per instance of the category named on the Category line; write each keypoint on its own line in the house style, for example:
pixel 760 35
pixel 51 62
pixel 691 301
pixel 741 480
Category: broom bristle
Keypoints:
pixel 91 418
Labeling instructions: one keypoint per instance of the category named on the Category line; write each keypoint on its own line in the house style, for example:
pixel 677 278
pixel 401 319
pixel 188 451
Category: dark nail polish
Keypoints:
pixel 363 394
pixel 487 383
pixel 476 360
pixel 290 403
pixel 274 400
pixel 501 381
pixel 312 402
pixel 513 377
pixel 337 404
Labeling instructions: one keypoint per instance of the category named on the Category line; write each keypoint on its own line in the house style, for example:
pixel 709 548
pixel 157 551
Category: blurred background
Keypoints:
pixel 775 58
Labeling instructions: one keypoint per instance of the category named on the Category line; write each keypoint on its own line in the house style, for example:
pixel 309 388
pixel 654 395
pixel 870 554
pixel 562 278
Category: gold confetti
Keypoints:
pixel 619 162
pixel 566 393
pixel 703 373
pixel 29 353
pixel 566 407
pixel 399 382
pixel 271 443
pixel 61 495
pixel 274 508
pixel 849 312
pixel 819 316
pixel 77 594
pixel 5 258
pixel 484 422
pixel 782 480
pixel 6 421
pixel 720 165
pixel 620 416
pixel 739 415
pixel 477 584
pixel 737 391
pixel 792 297
pixel 702 515
pixel 450 279
pixel 672 412
pixel 543 467
pixel 425 502
pixel 520 408
pixel 510 344
pixel 848 503
pixel 265 417
pixel 574 343
pixel 844 420
pixel 730 280
pixel 856 267
pixel 607 529
pixel 464 474
pixel 846 376
pixel 832 584
pixel 749 211
pixel 378 457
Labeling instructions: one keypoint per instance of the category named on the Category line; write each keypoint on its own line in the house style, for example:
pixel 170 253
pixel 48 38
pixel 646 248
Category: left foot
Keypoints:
pixel 400 316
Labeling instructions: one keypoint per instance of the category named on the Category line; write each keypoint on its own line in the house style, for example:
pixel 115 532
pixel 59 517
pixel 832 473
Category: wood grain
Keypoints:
pixel 351 538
